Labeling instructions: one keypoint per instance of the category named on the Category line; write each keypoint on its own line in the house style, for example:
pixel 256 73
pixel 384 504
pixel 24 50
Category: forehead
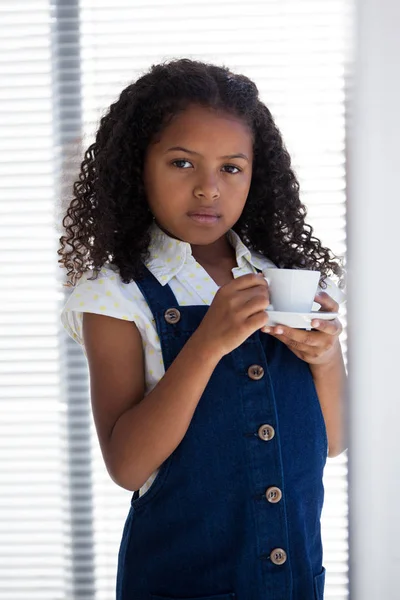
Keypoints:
pixel 207 127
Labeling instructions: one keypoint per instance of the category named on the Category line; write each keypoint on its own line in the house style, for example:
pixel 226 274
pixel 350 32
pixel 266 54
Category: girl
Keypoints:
pixel 220 425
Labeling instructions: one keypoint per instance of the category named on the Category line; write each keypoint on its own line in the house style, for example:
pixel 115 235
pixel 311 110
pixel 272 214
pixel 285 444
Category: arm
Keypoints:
pixel 136 433
pixel 330 383
pixel 321 349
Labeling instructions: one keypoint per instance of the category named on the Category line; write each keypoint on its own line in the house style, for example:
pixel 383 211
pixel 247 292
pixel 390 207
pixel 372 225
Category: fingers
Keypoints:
pixel 314 347
pixel 247 294
pixel 327 303
pixel 252 301
pixel 311 338
pixel 296 337
pixel 248 281
pixel 333 327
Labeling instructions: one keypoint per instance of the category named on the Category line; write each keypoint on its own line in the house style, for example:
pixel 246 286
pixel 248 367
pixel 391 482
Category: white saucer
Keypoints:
pixel 298 320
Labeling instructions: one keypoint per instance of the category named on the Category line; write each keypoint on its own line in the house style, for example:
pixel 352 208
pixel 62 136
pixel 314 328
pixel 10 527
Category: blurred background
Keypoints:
pixel 62 63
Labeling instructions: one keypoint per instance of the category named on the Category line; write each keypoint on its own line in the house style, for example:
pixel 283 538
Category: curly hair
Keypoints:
pixel 108 218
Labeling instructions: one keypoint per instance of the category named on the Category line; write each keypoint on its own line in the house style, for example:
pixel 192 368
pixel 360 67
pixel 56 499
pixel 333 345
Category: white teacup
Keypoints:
pixel 292 290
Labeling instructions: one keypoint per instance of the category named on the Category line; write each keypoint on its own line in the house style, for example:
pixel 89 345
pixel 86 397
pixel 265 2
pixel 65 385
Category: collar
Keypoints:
pixel 168 255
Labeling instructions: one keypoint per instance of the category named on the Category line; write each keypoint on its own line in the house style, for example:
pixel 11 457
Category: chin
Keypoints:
pixel 196 233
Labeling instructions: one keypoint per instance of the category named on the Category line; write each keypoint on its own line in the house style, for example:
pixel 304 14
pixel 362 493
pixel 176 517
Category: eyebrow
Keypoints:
pixel 174 148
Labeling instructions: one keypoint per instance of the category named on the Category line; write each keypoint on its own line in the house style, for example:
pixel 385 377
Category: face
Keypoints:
pixel 201 164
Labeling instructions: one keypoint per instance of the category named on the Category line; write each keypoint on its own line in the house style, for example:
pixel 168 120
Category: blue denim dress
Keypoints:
pixel 234 512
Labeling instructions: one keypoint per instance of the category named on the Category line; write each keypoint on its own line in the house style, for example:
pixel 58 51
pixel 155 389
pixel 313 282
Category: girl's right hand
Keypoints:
pixel 237 311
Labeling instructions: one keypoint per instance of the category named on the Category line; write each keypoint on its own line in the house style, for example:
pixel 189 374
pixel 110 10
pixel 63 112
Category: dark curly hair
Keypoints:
pixel 108 218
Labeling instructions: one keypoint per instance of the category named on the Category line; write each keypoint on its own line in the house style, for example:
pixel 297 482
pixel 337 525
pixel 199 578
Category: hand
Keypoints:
pixel 314 347
pixel 237 311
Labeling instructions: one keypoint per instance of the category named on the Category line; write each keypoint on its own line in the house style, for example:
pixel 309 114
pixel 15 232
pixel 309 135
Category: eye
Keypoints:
pixel 233 167
pixel 180 161
pixel 178 164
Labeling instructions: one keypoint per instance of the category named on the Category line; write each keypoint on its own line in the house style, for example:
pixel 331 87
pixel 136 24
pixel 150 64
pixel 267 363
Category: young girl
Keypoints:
pixel 219 424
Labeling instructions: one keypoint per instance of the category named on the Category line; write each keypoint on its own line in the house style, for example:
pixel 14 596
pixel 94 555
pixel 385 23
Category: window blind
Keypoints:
pixel 61 516
pixel 33 504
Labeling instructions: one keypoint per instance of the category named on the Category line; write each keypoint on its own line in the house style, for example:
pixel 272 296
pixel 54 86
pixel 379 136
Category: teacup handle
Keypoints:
pixel 270 307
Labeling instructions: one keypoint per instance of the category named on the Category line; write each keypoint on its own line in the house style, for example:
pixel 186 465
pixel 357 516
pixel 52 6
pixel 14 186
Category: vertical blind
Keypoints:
pixel 61 516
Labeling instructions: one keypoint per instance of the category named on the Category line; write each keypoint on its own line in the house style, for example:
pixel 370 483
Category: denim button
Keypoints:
pixel 278 556
pixel 273 494
pixel 266 432
pixel 255 372
pixel 172 315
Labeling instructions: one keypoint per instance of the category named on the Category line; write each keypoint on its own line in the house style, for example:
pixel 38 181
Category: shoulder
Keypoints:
pixel 106 295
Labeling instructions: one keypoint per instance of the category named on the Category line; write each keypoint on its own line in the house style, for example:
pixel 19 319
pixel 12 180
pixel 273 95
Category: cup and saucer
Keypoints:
pixel 292 293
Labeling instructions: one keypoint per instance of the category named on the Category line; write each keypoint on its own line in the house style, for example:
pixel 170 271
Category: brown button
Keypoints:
pixel 278 556
pixel 255 372
pixel 273 494
pixel 266 432
pixel 172 315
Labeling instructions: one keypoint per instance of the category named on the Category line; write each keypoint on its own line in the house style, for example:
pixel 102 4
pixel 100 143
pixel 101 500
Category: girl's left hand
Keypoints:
pixel 314 347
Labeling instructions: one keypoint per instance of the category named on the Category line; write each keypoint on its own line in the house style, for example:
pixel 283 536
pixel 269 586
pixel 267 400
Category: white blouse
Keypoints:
pixel 171 262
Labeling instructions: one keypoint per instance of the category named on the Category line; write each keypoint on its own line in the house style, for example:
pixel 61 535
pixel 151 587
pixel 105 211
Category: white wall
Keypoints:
pixel 373 300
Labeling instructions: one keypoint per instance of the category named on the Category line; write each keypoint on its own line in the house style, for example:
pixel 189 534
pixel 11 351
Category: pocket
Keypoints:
pixel 230 596
pixel 319 585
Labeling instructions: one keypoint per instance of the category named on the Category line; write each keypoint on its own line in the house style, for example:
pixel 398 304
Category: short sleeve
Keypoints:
pixel 106 295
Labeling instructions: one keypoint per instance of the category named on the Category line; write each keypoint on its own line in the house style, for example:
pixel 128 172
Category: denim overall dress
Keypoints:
pixel 234 512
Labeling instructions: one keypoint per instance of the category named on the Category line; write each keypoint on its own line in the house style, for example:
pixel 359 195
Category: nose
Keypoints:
pixel 207 188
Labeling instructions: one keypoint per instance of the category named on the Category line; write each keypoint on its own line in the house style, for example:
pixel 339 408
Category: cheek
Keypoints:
pixel 171 188
pixel 156 181
pixel 247 185
pixel 243 181
pixel 241 187
pixel 166 194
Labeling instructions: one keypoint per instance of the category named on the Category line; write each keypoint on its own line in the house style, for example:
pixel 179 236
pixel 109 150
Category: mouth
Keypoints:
pixel 204 216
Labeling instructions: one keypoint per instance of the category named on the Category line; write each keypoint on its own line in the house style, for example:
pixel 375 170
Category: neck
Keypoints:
pixel 215 253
